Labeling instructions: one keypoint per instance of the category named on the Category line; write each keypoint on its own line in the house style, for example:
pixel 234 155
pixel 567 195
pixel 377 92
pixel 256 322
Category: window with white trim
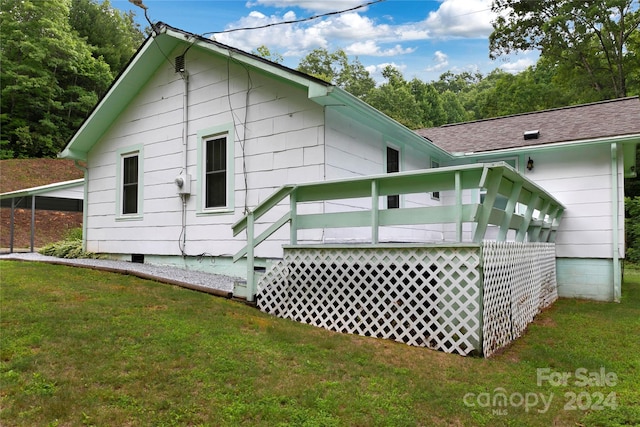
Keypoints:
pixel 130 184
pixel 215 172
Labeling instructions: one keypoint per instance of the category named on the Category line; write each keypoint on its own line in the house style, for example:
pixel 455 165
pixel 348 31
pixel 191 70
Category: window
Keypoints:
pixel 436 194
pixel 393 165
pixel 216 172
pixel 215 163
pixel 130 184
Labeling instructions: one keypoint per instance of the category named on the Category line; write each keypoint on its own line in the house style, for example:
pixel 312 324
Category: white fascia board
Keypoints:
pixel 622 139
pixel 43 189
pixel 337 97
pixel 314 88
pixel 121 92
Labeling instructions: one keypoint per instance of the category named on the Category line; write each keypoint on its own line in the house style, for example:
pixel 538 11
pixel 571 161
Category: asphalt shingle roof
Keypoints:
pixel 616 117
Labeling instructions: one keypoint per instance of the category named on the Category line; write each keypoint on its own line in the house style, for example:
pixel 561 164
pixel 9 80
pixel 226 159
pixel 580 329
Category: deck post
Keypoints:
pixel 293 203
pixel 458 190
pixel 33 221
pixel 509 210
pixel 375 217
pixel 534 232
pixel 12 224
pixel 492 185
pixel 531 205
pixel 251 280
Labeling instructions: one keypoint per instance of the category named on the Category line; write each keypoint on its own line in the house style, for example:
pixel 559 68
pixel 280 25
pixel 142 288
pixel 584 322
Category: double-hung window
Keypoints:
pixel 129 185
pixel 216 172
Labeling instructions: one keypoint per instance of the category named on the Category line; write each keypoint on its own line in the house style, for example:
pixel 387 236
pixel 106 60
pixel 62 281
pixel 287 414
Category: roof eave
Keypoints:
pixel 144 64
pixel 42 189
pixel 122 91
pixel 621 139
pixel 371 117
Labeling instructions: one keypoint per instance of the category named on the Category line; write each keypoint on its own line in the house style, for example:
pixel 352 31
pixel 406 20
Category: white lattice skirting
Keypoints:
pixel 430 296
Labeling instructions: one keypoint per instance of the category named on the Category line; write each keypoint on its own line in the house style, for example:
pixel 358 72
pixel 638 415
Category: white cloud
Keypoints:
pixel 517 66
pixel 357 33
pixel 461 18
pixel 371 48
pixel 441 61
pixel 346 30
pixel 289 40
pixel 375 71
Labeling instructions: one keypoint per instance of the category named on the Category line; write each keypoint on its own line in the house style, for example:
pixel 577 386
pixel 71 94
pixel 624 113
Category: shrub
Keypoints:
pixel 632 226
pixel 70 247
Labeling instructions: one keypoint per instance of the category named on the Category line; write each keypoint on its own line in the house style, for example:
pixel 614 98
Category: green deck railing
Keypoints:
pixel 536 220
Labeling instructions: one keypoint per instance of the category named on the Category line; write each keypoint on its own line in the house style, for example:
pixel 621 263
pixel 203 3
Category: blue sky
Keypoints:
pixel 422 38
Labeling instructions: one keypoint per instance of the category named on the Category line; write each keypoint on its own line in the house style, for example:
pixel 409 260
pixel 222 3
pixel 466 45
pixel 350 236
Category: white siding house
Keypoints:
pixel 581 155
pixel 232 127
pixel 194 134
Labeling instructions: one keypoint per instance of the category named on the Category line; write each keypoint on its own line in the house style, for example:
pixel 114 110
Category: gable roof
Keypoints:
pixel 166 39
pixel 579 123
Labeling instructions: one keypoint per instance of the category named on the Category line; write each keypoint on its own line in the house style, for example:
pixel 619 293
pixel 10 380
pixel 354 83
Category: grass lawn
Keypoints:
pixel 81 347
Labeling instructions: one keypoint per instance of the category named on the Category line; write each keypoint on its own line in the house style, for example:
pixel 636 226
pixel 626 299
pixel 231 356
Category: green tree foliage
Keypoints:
pixel 336 68
pixel 395 99
pixel 51 77
pixel 264 52
pixel 111 34
pixel 632 226
pixel 594 42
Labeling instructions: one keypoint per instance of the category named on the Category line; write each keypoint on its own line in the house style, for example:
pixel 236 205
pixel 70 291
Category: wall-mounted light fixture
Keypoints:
pixel 530 164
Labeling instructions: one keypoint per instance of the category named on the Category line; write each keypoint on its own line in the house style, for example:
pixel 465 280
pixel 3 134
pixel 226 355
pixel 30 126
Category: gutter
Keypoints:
pixel 549 146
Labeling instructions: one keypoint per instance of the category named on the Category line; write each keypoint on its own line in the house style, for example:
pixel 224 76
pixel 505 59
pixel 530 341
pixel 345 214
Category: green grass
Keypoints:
pixel 81 347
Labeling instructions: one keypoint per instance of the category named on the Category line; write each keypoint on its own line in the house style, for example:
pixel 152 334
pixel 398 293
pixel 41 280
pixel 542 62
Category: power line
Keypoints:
pixel 295 21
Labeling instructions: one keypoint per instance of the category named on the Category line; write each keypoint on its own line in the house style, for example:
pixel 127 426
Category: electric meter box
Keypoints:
pixel 183 183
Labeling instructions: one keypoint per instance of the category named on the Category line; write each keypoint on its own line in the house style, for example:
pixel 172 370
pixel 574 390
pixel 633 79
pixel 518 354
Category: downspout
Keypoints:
pixel 181 67
pixel 615 199
pixel 85 203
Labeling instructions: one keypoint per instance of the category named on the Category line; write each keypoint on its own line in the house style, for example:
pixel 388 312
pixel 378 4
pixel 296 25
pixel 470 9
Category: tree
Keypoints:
pixel 394 98
pixel 264 52
pixel 430 101
pixel 453 108
pixel 335 68
pixel 112 34
pixel 596 39
pixel 50 78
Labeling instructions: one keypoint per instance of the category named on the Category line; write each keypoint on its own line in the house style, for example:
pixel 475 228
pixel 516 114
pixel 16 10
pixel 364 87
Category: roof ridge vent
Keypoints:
pixel 531 134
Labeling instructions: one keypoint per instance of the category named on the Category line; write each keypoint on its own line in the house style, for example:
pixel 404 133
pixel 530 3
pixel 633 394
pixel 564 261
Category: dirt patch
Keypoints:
pixel 50 226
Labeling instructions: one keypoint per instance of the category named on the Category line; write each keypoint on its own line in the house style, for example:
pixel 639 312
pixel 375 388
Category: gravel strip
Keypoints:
pixel 206 282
